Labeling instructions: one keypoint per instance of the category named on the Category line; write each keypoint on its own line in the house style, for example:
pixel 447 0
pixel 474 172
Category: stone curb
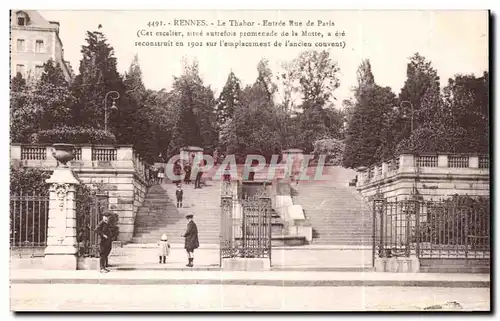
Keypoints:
pixel 258 282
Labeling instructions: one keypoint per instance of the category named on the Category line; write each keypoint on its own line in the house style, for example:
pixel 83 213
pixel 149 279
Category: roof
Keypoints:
pixel 35 19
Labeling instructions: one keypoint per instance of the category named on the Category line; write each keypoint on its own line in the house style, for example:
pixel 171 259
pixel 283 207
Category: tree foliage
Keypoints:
pixel 40 105
pixel 370 113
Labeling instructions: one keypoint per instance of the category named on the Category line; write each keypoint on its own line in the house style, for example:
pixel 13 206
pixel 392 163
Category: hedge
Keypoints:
pixel 74 135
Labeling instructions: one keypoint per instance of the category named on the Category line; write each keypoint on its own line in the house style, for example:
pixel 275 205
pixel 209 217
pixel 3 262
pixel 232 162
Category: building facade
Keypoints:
pixel 33 41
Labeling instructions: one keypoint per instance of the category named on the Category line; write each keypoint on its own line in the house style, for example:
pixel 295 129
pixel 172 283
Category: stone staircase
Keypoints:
pixel 159 214
pixel 338 213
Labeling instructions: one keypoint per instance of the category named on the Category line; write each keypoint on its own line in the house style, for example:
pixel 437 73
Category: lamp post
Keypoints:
pixel 113 107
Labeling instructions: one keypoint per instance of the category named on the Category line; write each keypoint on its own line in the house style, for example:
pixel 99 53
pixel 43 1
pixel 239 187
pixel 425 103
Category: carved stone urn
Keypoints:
pixel 63 153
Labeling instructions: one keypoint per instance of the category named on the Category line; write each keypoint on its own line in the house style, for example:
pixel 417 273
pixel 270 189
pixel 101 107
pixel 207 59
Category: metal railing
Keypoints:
pixel 457 228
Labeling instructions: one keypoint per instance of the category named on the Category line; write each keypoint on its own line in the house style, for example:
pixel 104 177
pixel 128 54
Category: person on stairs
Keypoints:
pixel 191 239
pixel 199 174
pixel 178 194
pixel 163 249
pixel 161 175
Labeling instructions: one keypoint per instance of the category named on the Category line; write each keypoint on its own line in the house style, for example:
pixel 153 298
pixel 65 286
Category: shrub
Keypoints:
pixel 74 135
pixel 332 148
pixel 28 180
pixel 448 221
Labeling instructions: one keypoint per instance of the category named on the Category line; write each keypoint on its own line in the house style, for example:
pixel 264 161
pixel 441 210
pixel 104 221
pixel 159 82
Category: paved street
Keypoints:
pixel 146 257
pixel 81 297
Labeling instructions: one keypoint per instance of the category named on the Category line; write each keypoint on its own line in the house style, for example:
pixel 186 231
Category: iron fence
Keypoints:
pixel 456 228
pixel 29 216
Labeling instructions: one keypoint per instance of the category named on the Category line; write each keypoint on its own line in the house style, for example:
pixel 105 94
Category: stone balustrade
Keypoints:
pixel 118 170
pixel 443 173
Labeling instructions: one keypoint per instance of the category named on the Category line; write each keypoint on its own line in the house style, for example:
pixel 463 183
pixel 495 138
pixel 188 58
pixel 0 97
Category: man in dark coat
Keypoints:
pixel 191 239
pixel 106 237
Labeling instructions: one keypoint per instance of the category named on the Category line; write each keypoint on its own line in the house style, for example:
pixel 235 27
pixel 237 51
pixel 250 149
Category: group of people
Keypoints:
pixel 187 169
pixel 156 175
pixel 191 242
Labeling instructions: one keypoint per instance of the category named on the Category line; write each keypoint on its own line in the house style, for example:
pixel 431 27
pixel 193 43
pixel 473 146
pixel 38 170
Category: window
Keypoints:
pixel 21 21
pixel 21 69
pixel 21 45
pixel 38 71
pixel 39 46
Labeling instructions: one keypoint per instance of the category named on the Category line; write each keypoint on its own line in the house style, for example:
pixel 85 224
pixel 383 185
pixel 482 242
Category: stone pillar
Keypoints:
pixel 385 169
pixel 15 151
pixel 474 161
pixel 293 158
pixel 61 250
pixel 86 153
pixel 442 160
pixel 406 162
pixel 186 152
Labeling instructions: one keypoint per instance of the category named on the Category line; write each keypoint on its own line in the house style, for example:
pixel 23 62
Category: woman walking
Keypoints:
pixel 191 239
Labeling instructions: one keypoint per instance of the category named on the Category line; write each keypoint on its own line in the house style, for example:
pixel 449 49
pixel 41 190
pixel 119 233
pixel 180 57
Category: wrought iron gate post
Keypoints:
pixel 417 228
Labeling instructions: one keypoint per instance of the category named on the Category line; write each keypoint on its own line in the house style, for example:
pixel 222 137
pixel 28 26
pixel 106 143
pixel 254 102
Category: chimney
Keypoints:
pixel 55 24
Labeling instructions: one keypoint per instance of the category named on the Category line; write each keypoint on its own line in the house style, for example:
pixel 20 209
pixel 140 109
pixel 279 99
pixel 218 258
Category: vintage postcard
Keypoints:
pixel 272 160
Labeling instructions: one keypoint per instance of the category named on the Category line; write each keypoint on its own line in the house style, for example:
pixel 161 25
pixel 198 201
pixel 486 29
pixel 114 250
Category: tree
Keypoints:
pixel 186 90
pixel 135 125
pixel 98 76
pixel 458 122
pixel 364 134
pixel 420 77
pixel 265 79
pixel 317 75
pixel 40 105
pixel 58 98
pixel 422 91
pixel 229 99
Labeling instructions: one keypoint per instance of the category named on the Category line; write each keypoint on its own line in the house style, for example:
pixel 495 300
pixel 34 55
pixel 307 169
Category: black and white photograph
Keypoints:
pixel 249 160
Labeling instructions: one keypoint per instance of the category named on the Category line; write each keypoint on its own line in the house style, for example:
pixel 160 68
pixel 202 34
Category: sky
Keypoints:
pixel 454 41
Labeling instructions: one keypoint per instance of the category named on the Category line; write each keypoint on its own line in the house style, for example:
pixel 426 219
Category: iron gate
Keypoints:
pixel 456 228
pixel 89 213
pixel 245 224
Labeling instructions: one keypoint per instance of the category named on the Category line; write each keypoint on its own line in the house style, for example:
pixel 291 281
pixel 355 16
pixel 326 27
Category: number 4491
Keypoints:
pixel 155 23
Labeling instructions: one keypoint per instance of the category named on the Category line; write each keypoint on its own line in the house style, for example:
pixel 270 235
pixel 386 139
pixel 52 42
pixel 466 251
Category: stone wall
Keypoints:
pixel 119 172
pixel 434 176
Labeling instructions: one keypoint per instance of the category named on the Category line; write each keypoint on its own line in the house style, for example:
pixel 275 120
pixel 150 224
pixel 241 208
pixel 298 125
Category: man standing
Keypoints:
pixel 104 232
pixel 191 239
pixel 199 174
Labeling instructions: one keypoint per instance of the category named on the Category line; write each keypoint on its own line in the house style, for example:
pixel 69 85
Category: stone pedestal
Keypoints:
pixel 61 250
pixel 292 158
pixel 246 264
pixel 397 264
pixel 186 154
